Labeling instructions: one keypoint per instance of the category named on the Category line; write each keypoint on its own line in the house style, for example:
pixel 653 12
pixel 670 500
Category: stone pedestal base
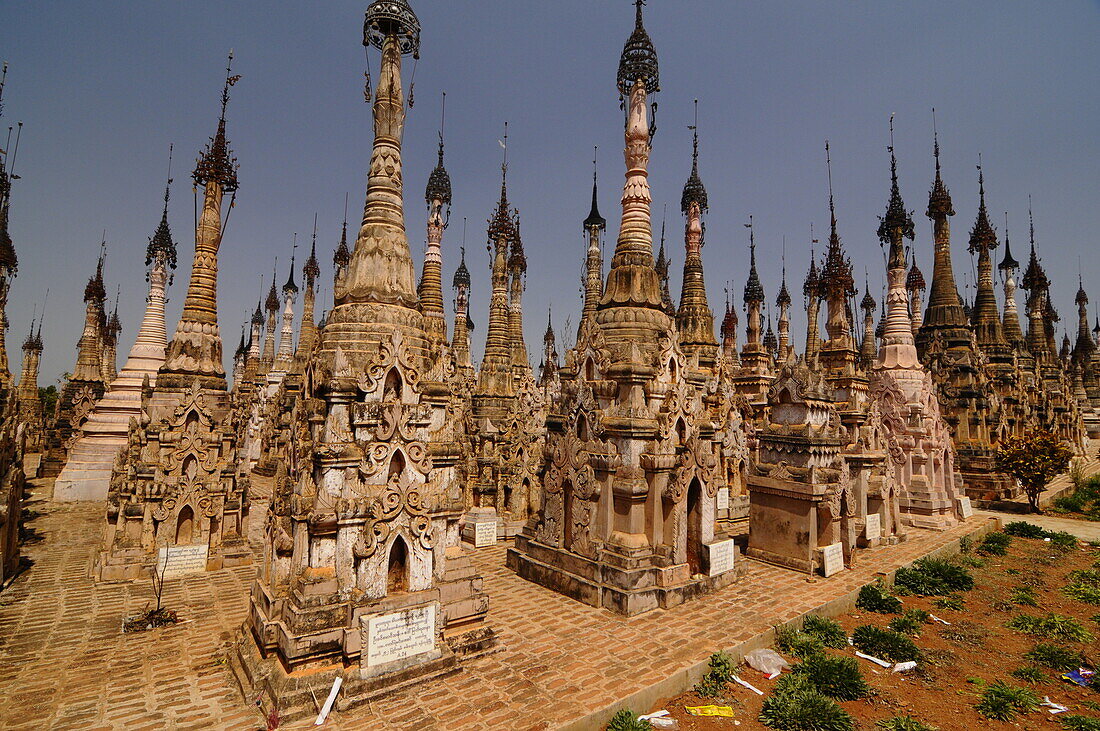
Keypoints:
pixel 620 581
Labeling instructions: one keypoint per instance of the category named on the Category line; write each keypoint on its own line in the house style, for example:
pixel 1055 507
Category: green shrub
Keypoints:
pixel 905 625
pixel 903 723
pixel 1052 626
pixel 720 671
pixel 1001 701
pixel 1055 657
pixel 828 631
pixel 994 544
pixel 1025 596
pixel 1087 593
pixel 1023 529
pixel 1070 503
pixel 797 643
pixel 1030 674
pixel 836 677
pixel 876 598
pixel 1075 722
pixel 885 644
pixel 1085 576
pixel 627 720
pixel 798 706
pixel 1062 540
pixel 953 602
pixel 933 577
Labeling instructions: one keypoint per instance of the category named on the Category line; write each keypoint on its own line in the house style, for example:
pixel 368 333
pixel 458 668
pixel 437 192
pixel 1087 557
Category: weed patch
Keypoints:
pixel 994 544
pixel 903 723
pixel 1055 657
pixel 796 705
pixel 876 598
pixel 1052 626
pixel 1002 702
pixel 885 644
pixel 933 577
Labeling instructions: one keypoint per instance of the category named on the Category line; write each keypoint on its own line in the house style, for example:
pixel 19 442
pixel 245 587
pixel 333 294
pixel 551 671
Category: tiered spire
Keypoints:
pixel 517 272
pixel 1036 283
pixel 495 374
pixel 868 348
pixel 754 293
pixel 286 334
pixel 898 350
pixel 196 349
pixel 594 226
pixel 915 286
pixel 437 195
pixel 463 323
pixel 837 282
pixel 632 282
pixel 549 365
pixel 310 272
pixel 1008 267
pixel 945 310
pixel 983 240
pixel 89 359
pixel 661 266
pixel 694 319
pixel 811 289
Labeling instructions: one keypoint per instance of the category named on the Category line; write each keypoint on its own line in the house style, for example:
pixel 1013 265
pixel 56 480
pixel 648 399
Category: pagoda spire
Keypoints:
pixel 983 240
pixel 89 359
pixel 868 350
pixel 594 227
pixel 310 272
pixel 1008 268
pixel 195 353
pixel 495 373
pixel 661 266
pixel 694 319
pixel 783 302
pixel 754 294
pixel 549 366
pixel 811 289
pixel 898 349
pixel 632 283
pixel 341 257
pixel 1084 347
pixel 271 307
pixel 463 323
pixel 517 273
pixel 286 334
pixel 837 283
pixel 437 195
pixel 915 286
pixel 1037 285
pixel 945 311
pixel 729 331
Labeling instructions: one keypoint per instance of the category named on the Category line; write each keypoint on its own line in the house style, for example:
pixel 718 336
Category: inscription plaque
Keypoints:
pixel 722 554
pixel 723 498
pixel 175 561
pixel 874 526
pixel 965 509
pixel 833 559
pixel 485 533
pixel 400 635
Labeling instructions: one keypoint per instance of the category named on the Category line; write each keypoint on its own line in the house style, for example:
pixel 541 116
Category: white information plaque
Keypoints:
pixel 723 498
pixel 833 555
pixel 721 556
pixel 485 533
pixel 874 526
pixel 965 509
pixel 404 634
pixel 175 561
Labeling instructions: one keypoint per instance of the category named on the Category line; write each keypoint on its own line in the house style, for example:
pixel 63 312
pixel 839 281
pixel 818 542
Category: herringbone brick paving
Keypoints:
pixel 64 662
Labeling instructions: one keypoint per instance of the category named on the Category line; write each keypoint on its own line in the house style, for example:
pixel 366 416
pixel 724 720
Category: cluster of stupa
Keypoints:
pixel 630 476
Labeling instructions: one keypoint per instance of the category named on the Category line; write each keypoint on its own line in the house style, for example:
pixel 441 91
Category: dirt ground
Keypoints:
pixel 976 645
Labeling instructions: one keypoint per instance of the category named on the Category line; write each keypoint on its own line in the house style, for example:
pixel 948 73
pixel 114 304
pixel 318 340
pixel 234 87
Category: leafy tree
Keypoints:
pixel 1034 459
pixel 48 395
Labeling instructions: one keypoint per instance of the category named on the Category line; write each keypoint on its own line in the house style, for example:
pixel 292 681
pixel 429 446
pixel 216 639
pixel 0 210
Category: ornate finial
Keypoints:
pixel 94 291
pixel 694 191
pixel 272 302
pixel 387 18
pixel 836 270
pixel 216 163
pixel 939 199
pixel 982 234
pixel 310 271
pixel 462 274
pixel 784 298
pixel 290 288
pixel 594 220
pixel 638 62
pixel 161 243
pixel 341 257
pixel 501 224
pixel 439 182
pixel 829 173
pixel 1008 262
pixel 754 290
pixel 868 303
pixel 811 288
pixel 896 218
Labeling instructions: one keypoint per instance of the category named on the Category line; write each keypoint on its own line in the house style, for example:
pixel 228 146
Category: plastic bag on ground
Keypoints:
pixel 767 661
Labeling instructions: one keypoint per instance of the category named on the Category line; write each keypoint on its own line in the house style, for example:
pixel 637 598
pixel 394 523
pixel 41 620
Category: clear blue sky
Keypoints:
pixel 104 88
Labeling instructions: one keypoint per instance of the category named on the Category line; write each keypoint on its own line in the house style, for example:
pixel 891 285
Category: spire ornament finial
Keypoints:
pixel 594 220
pixel 392 18
pixel 216 163
pixel 439 182
pixel 694 191
pixel 638 62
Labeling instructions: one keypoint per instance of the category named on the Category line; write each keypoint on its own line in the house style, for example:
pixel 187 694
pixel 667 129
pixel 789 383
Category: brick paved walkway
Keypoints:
pixel 64 662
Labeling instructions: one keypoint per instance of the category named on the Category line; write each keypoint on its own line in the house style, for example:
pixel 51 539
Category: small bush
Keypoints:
pixel 1087 593
pixel 1001 701
pixel 906 625
pixel 954 603
pixel 1052 626
pixel 1062 540
pixel 876 598
pixel 797 705
pixel 933 577
pixel 828 631
pixel 903 723
pixel 836 677
pixel 885 644
pixel 994 544
pixel 720 671
pixel 1070 503
pixel 627 720
pixel 797 643
pixel 1023 529
pixel 1029 674
pixel 1055 657
pixel 1025 596
pixel 1075 722
pixel 1085 576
